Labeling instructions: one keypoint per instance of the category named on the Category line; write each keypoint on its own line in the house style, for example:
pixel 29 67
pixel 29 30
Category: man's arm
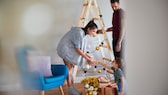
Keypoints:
pixel 122 32
pixel 110 29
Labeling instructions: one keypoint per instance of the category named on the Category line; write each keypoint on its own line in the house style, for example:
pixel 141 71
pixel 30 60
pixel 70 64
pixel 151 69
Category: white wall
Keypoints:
pixel 147 47
pixel 146 43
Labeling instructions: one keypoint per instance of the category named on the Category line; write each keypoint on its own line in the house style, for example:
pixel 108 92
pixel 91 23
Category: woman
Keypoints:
pixel 71 49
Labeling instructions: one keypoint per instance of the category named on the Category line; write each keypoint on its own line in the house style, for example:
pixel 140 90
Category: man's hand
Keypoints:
pixel 99 32
pixel 109 29
pixel 118 47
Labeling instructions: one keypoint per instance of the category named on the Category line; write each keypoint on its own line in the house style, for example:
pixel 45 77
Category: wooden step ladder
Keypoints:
pixel 91 11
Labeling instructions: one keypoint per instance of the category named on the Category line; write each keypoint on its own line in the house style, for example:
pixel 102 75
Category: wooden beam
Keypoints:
pixel 104 58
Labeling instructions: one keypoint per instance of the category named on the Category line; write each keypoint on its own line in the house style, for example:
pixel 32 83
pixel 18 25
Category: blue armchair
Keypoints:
pixel 36 80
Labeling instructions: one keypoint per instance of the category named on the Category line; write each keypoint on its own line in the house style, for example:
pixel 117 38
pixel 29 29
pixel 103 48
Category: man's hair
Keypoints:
pixel 113 1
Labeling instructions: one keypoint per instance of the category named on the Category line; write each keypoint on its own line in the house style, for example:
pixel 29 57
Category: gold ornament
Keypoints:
pixel 90 93
pixel 88 89
pixel 95 89
pixel 91 81
pixel 99 70
pixel 97 48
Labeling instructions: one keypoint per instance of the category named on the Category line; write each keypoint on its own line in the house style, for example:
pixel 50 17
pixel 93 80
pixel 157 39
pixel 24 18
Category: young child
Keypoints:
pixel 118 75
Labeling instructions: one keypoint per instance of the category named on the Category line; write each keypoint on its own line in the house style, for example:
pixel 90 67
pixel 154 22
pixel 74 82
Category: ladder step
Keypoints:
pixel 104 46
pixel 96 18
pixel 111 72
pixel 104 58
pixel 82 18
pixel 92 18
pixel 87 4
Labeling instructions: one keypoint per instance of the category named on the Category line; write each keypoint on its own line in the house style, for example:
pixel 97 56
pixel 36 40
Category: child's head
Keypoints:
pixel 117 63
pixel 91 28
pixel 113 1
pixel 115 4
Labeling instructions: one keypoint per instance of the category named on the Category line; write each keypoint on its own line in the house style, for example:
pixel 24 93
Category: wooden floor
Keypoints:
pixel 57 91
pixel 54 91
pixel 78 86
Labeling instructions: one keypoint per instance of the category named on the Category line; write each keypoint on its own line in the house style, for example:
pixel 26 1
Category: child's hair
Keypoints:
pixel 118 62
pixel 113 1
pixel 91 24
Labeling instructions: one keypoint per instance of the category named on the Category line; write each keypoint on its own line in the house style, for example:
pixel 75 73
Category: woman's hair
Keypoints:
pixel 113 1
pixel 91 24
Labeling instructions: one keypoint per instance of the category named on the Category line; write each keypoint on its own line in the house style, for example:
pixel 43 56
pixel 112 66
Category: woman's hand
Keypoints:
pixel 91 61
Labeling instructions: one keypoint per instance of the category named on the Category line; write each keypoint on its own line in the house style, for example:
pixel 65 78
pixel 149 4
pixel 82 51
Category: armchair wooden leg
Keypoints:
pixel 42 92
pixel 62 92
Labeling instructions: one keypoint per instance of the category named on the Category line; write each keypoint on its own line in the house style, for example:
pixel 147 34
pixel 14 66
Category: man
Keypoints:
pixel 117 29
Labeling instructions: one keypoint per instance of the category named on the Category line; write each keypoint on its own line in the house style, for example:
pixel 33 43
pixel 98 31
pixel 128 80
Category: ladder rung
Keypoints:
pixel 96 18
pixel 105 46
pixel 87 4
pixel 82 18
pixel 111 72
pixel 104 58
pixel 92 18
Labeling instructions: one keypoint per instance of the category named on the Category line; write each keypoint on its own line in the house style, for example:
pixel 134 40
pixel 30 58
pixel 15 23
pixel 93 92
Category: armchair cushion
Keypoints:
pixel 40 64
pixel 54 79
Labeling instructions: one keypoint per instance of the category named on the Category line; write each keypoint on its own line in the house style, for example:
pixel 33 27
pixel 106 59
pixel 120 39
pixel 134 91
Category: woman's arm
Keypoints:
pixel 104 64
pixel 82 53
pixel 87 57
